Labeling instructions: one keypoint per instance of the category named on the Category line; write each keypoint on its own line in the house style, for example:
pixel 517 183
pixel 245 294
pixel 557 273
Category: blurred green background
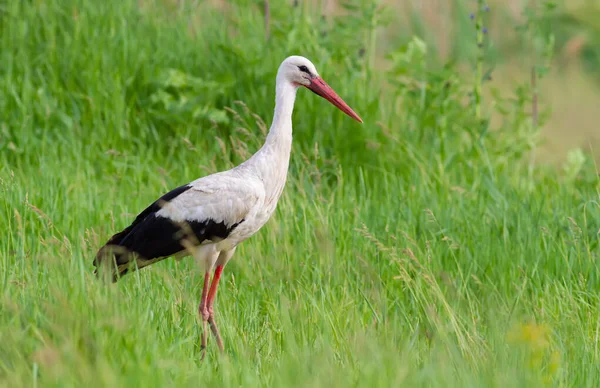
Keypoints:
pixel 450 240
pixel 569 92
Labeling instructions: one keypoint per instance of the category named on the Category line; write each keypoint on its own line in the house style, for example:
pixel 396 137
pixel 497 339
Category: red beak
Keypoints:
pixel 321 88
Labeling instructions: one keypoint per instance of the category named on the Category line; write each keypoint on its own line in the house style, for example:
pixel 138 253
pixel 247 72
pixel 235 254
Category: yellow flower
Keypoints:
pixel 536 341
pixel 536 337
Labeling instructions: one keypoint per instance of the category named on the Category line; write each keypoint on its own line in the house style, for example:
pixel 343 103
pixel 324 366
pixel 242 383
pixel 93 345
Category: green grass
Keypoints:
pixel 418 249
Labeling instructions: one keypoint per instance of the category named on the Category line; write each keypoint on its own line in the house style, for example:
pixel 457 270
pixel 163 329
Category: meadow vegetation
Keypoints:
pixel 422 248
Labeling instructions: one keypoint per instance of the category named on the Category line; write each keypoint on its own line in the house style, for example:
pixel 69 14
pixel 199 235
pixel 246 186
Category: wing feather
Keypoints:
pixel 209 208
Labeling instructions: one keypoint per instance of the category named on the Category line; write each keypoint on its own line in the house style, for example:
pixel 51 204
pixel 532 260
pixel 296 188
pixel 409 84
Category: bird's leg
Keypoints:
pixel 203 311
pixel 211 313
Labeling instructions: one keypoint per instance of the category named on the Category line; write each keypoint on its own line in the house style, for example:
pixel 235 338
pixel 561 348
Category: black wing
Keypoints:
pixel 151 238
pixel 152 209
pixel 115 246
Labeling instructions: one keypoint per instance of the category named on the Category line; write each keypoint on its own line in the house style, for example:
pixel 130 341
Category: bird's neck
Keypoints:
pixel 271 162
pixel 280 134
pixel 273 158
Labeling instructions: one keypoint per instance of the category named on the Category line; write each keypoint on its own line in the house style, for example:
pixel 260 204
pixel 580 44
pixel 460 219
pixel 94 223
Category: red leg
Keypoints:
pixel 203 312
pixel 211 299
pixel 213 287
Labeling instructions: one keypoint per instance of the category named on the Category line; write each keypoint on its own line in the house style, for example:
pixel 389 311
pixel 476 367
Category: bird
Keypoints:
pixel 210 216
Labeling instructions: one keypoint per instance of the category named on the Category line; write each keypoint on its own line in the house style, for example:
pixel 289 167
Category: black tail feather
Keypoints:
pixel 140 240
pixel 113 258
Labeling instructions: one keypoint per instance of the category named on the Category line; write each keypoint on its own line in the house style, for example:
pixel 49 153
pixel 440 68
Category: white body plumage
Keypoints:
pixel 248 192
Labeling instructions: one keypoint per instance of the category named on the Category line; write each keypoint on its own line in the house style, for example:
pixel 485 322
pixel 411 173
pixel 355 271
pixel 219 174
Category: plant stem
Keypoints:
pixel 267 20
pixel 479 63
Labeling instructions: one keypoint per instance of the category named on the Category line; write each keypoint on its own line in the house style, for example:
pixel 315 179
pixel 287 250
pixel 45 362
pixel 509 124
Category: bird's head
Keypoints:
pixel 299 71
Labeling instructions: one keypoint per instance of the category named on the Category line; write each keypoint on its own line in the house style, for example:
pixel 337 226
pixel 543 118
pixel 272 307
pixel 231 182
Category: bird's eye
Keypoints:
pixel 304 69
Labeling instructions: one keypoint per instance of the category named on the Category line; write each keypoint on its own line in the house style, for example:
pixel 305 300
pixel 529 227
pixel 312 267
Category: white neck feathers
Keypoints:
pixel 272 160
pixel 285 96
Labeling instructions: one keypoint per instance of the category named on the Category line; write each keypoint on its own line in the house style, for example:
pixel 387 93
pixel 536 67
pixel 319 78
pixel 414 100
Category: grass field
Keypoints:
pixel 422 248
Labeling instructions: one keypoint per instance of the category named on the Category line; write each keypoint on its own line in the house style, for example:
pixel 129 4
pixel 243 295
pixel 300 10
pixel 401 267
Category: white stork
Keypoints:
pixel 210 216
